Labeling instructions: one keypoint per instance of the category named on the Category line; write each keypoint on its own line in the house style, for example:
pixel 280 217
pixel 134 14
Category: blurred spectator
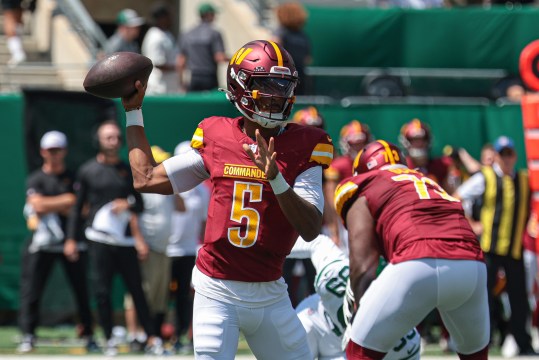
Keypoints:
pixel 201 50
pixel 188 226
pixel 155 224
pixel 13 28
pixel 464 165
pixel 160 46
pixel 504 196
pixel 510 88
pixel 49 198
pixel 488 154
pixel 126 34
pixel 292 17
pixel 353 138
pixel 105 185
pixel 416 138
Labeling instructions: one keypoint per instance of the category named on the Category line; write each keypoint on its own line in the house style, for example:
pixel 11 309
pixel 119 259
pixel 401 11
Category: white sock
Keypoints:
pixel 141 336
pixel 14 44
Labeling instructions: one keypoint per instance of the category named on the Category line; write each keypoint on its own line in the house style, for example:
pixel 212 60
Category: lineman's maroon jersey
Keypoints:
pixel 247 235
pixel 340 168
pixel 437 169
pixel 415 218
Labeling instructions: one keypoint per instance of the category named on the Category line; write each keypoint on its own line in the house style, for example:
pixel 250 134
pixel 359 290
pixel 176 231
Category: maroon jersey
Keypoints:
pixel 414 217
pixel 247 235
pixel 340 168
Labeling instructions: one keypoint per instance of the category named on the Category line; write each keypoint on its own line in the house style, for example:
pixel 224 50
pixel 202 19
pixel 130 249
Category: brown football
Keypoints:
pixel 115 75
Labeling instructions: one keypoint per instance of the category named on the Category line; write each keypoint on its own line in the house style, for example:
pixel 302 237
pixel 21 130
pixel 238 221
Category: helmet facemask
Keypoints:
pixel 415 137
pixel 418 149
pixel 267 100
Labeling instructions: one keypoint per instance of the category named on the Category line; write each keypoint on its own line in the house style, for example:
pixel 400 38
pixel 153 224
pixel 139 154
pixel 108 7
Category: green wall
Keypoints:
pixel 12 194
pixel 471 37
pixel 169 120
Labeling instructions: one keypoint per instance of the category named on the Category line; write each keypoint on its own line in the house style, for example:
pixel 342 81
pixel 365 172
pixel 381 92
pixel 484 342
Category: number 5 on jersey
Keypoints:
pixel 241 213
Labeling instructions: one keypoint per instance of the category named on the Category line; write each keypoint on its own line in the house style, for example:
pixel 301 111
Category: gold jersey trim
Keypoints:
pixel 197 141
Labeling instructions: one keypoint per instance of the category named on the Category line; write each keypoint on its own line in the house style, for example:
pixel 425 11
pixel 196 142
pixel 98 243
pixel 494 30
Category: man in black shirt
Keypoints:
pixel 105 185
pixel 49 197
pixel 201 50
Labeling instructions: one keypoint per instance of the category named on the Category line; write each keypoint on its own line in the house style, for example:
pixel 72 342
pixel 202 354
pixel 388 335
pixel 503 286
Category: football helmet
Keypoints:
pixel 261 79
pixel 309 116
pixel 377 154
pixel 353 137
pixel 415 137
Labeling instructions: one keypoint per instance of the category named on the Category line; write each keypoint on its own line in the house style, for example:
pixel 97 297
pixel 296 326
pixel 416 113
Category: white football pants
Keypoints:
pixel 404 293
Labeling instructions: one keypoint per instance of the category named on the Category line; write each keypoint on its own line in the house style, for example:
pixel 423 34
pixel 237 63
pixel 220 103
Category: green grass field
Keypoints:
pixel 62 340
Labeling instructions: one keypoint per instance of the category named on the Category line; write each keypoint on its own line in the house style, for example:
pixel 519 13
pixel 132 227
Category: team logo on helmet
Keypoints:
pixel 261 80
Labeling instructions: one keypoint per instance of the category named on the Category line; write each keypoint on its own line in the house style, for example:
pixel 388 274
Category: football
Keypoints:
pixel 115 75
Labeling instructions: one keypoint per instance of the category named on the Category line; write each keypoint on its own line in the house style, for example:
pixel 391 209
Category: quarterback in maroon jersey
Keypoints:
pixel 266 179
pixel 435 261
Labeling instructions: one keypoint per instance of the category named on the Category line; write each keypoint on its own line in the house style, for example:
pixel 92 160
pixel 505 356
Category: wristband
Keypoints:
pixel 134 118
pixel 279 184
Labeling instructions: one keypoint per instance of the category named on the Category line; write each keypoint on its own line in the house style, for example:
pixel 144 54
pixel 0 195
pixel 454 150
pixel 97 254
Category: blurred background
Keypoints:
pixel 451 63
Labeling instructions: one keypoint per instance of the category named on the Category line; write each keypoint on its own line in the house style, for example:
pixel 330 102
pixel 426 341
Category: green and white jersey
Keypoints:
pixel 322 314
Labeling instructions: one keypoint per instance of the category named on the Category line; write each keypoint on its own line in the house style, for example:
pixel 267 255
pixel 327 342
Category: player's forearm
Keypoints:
pixel 52 204
pixel 303 216
pixel 140 157
pixel 362 276
pixel 74 220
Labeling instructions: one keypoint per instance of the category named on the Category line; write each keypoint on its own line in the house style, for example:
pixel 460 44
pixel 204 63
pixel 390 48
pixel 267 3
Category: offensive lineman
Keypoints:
pixel 434 258
pixel 267 189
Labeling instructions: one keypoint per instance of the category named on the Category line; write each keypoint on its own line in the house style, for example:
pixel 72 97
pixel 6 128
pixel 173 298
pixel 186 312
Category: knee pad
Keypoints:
pixel 209 335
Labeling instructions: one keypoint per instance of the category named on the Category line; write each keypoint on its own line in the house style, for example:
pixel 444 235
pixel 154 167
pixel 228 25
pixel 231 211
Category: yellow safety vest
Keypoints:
pixel 504 212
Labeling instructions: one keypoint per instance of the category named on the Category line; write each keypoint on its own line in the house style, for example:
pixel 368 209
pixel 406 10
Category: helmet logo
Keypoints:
pixel 240 55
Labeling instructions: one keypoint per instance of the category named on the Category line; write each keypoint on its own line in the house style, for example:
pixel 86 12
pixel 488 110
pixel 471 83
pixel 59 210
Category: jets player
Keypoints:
pixel 327 314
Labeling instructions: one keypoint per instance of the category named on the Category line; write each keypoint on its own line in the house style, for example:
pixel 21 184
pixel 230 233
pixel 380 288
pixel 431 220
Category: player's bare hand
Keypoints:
pixel 265 157
pixel 142 249
pixel 71 250
pixel 134 101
